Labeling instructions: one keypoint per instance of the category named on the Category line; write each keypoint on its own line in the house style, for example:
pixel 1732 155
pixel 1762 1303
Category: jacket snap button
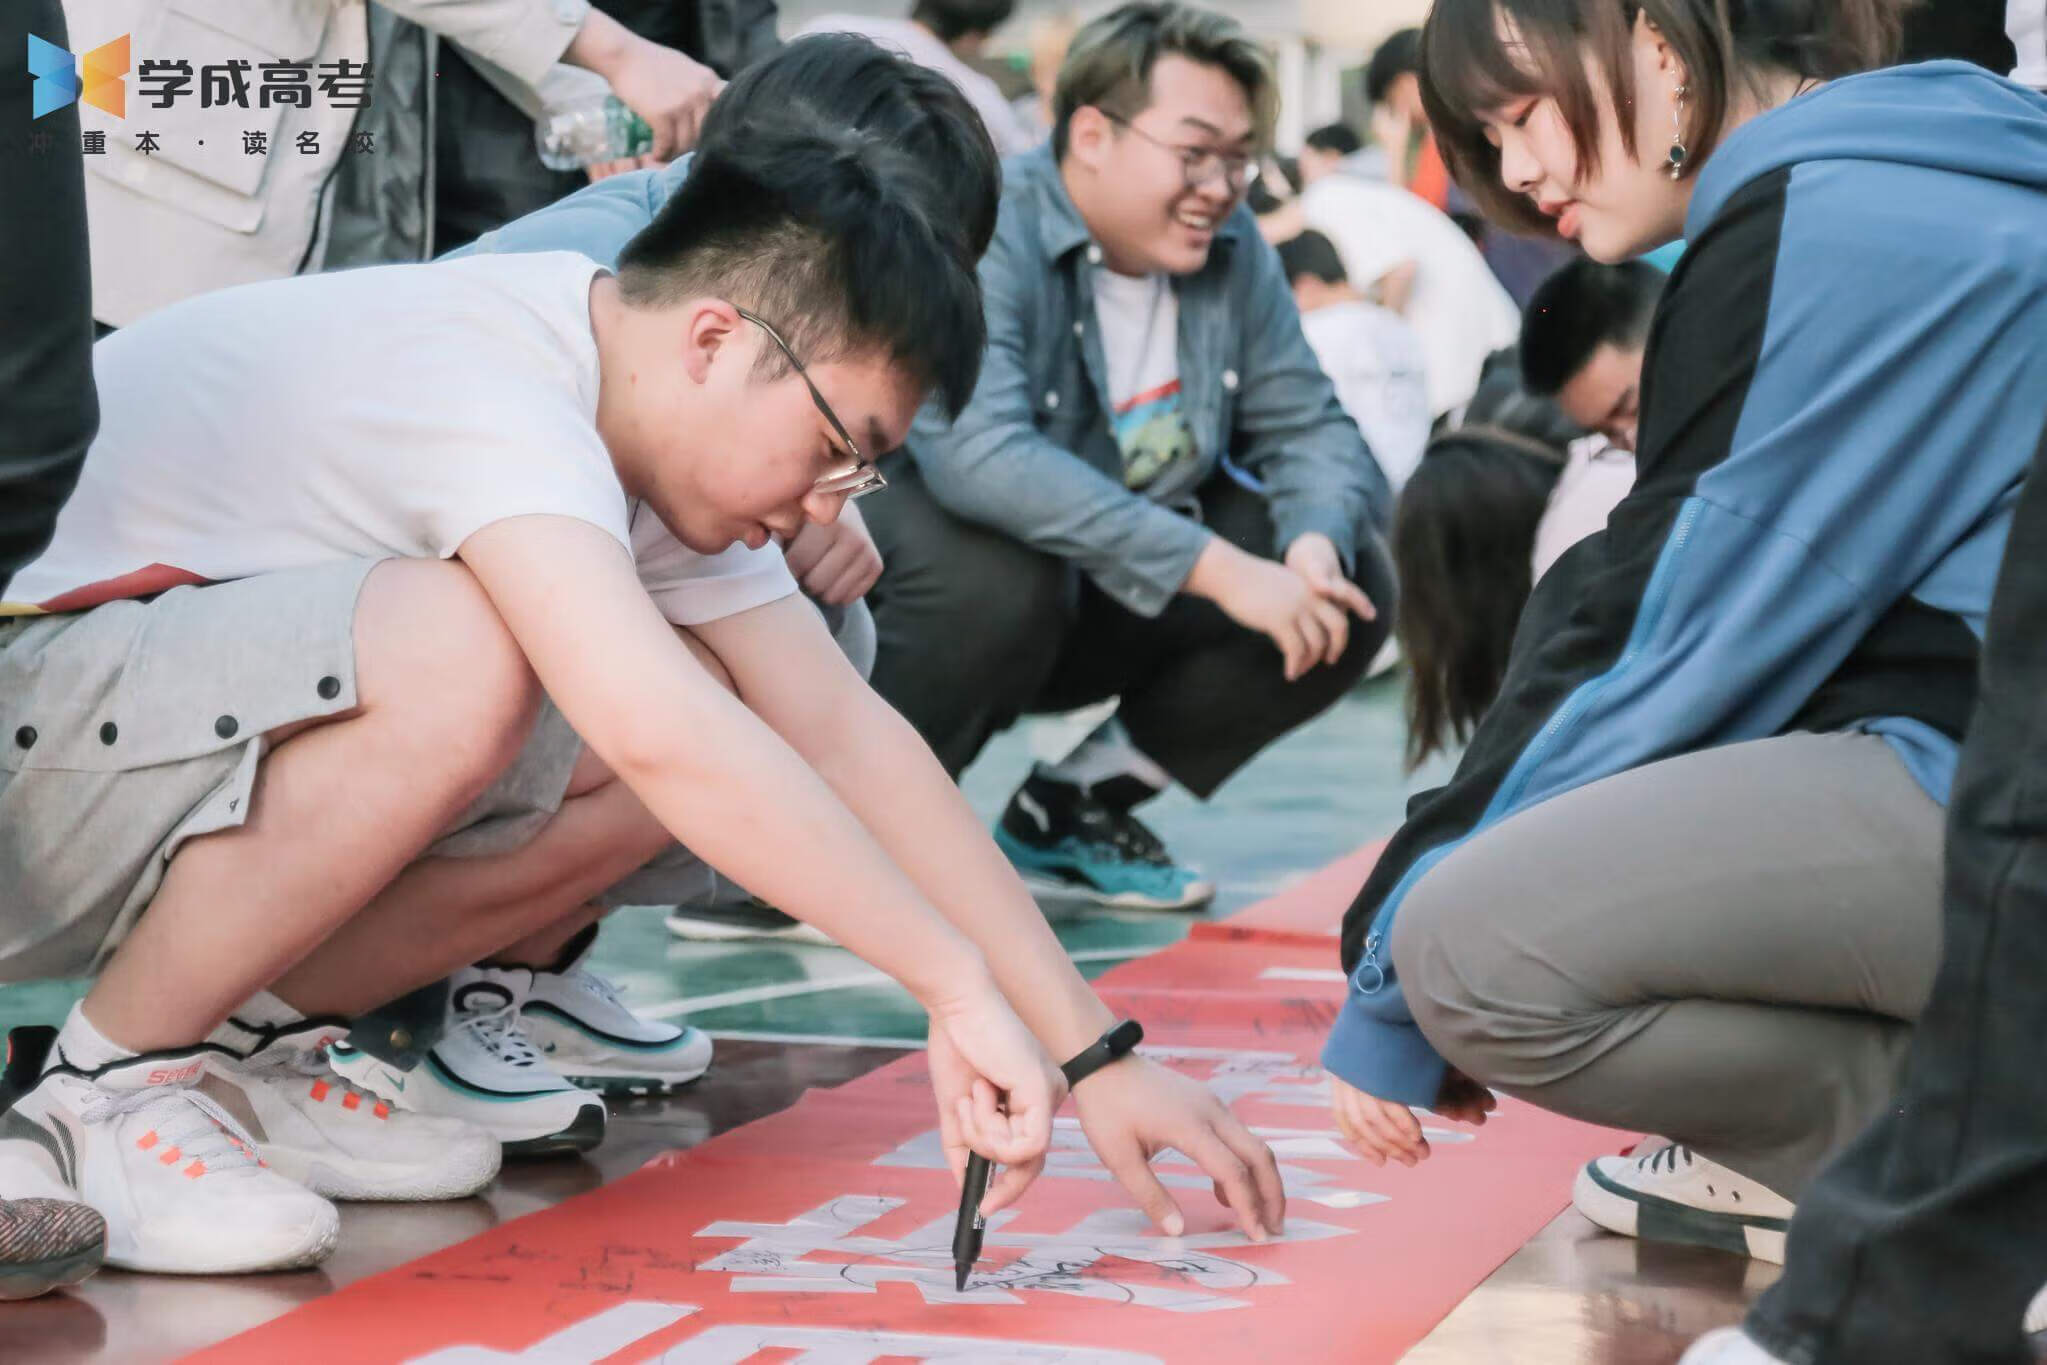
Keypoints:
pixel 25 737
pixel 329 688
pixel 226 726
pixel 109 733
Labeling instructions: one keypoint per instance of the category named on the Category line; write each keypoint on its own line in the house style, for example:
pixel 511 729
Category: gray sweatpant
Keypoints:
pixel 1727 948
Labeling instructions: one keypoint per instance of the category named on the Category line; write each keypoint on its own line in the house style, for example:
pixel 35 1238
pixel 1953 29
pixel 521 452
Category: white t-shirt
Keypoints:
pixel 1597 475
pixel 1375 360
pixel 1007 131
pixel 370 413
pixel 1457 307
pixel 2026 21
pixel 1140 320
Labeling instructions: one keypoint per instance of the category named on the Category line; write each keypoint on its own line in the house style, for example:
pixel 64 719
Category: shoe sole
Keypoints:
pixel 366 1182
pixel 710 931
pixel 640 1086
pixel 307 1253
pixel 1050 886
pixel 37 1278
pixel 1651 1218
pixel 586 1132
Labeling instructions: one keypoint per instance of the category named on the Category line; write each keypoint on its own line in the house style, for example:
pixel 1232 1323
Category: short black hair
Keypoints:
pixel 1400 55
pixel 817 229
pixel 1582 306
pixel 1312 254
pixel 854 82
pixel 1339 138
pixel 953 20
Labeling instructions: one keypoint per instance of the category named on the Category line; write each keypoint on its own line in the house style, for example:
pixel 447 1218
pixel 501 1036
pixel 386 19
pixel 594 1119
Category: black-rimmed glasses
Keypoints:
pixel 859 477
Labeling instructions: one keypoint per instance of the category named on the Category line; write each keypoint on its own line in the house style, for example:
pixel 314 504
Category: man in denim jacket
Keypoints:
pixel 1153 494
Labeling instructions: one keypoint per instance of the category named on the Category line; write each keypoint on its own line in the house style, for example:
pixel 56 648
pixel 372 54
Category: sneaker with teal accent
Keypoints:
pixel 1070 843
pixel 486 1071
pixel 1672 1194
pixel 588 1034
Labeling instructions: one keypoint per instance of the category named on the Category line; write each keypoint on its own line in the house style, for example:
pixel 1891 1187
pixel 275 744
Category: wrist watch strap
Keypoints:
pixel 1119 1041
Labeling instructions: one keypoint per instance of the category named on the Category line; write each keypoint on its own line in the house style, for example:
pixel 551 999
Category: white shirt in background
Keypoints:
pixel 1375 361
pixel 1140 321
pixel 364 414
pixel 1457 308
pixel 922 46
pixel 1597 475
pixel 2026 22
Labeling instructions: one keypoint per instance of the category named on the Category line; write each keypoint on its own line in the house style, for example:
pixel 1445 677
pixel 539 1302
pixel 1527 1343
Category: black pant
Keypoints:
pixel 49 410
pixel 1926 1238
pixel 977 629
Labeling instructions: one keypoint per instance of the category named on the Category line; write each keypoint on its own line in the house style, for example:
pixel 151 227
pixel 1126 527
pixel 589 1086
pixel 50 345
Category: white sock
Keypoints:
pixel 1106 752
pixel 260 1011
pixel 81 1045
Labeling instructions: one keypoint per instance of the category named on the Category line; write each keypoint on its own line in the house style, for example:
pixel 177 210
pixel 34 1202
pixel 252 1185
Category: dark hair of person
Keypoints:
pixel 1109 64
pixel 1312 254
pixel 1727 47
pixel 854 82
pixel 1463 541
pixel 953 20
pixel 1339 139
pixel 1399 55
pixel 816 228
pixel 1582 306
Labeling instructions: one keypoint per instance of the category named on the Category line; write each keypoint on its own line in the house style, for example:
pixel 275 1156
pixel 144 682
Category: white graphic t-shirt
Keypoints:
pixel 363 414
pixel 1140 317
pixel 1375 361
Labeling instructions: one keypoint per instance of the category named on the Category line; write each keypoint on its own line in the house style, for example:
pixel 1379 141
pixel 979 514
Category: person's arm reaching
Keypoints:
pixel 790 674
pixel 713 773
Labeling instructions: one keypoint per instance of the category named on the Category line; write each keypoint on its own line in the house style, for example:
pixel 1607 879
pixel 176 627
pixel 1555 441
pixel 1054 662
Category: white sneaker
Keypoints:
pixel 587 1033
pixel 484 1071
pixel 1673 1194
pixel 179 1183
pixel 314 1127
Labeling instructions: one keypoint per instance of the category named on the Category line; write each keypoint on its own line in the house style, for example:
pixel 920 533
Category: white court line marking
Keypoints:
pixel 1301 974
pixel 823 1039
pixel 783 990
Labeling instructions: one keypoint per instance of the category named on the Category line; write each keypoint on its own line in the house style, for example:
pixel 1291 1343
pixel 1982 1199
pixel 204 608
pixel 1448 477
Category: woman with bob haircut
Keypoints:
pixel 1687 877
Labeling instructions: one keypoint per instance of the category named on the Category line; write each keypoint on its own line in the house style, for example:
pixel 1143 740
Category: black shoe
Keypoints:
pixel 1073 843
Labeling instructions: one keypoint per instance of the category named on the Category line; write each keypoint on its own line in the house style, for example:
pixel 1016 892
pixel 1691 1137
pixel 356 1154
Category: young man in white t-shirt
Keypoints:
pixel 399 613
pixel 1368 352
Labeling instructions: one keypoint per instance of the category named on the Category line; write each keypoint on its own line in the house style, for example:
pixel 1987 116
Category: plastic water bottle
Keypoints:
pixel 589 131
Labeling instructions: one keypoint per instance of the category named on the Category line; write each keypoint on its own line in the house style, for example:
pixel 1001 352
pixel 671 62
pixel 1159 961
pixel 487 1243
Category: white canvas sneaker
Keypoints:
pixel 313 1126
pixel 178 1182
pixel 588 1034
pixel 485 1072
pixel 1673 1194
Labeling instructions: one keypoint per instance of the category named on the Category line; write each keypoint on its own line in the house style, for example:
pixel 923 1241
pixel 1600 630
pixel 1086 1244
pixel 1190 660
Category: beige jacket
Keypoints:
pixel 201 213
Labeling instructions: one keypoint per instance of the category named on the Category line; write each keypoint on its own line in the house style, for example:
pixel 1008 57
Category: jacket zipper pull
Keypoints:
pixel 1370 976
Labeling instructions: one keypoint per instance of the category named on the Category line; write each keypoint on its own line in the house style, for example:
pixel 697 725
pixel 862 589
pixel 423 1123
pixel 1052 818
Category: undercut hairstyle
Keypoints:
pixel 1338 138
pixel 953 20
pixel 1582 306
pixel 849 81
pixel 1727 47
pixel 1110 63
pixel 1313 255
pixel 821 231
pixel 1400 55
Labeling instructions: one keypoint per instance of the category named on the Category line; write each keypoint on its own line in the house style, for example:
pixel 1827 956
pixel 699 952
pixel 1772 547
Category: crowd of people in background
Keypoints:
pixel 1659 381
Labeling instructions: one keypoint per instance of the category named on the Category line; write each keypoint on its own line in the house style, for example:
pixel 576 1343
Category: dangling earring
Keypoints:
pixel 1675 169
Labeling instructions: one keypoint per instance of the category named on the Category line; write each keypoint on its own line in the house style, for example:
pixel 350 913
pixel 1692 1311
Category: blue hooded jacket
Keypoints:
pixel 1844 386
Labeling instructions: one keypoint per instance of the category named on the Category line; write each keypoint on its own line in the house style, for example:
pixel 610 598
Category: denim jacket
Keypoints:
pixel 1033 454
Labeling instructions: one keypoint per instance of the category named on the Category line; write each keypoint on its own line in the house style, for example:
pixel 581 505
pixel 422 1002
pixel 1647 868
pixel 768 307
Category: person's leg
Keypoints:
pixel 1201 695
pixel 340 809
pixel 969 621
pixel 1725 948
pixel 1924 1241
